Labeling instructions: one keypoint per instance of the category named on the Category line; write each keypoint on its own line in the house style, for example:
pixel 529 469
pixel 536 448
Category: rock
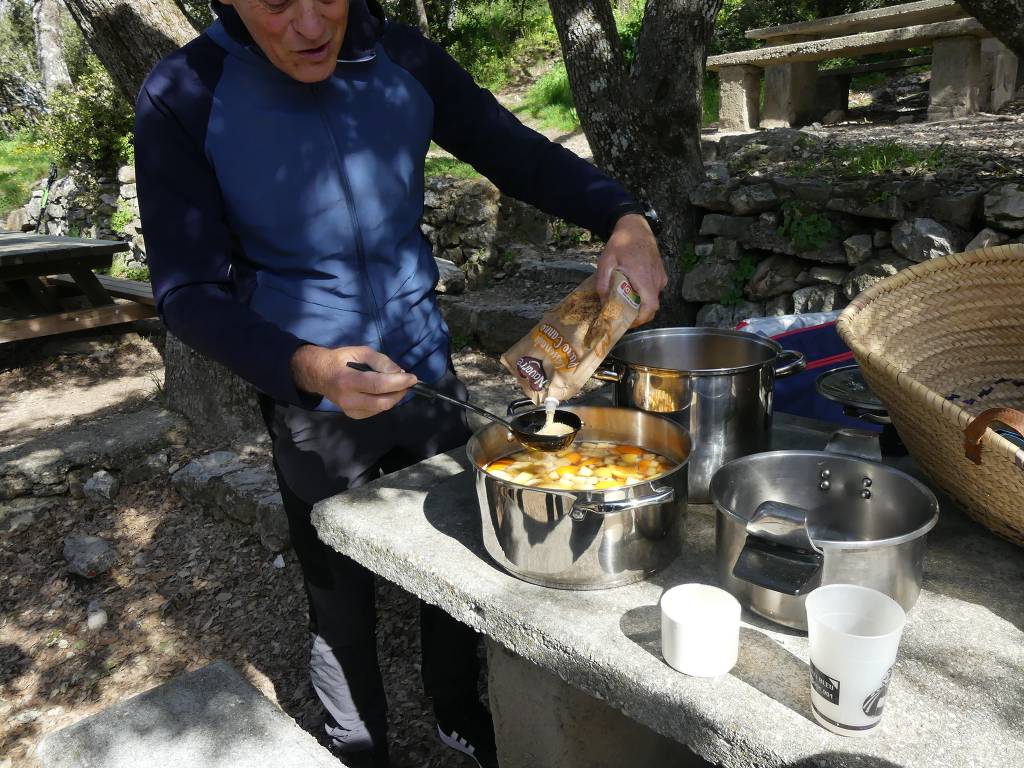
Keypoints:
pixel 722 316
pixel 987 238
pixel 873 271
pixel 774 276
pixel 102 486
pixel 858 249
pixel 713 196
pixel 272 522
pixel 703 250
pixel 716 170
pixel 961 209
pixel 817 298
pixel 278 562
pixel 196 476
pixel 1004 208
pixel 923 239
pixel 780 305
pixel 766 237
pixel 126 174
pixel 55 211
pixel 451 279
pixel 772 145
pixel 753 198
pixel 726 226
pixel 830 253
pixel 882 238
pixel 153 465
pixel 19 220
pixel 726 249
pixel 64 187
pixel 88 556
pixel 834 116
pixel 19 514
pixel 890 208
pixel 129 191
pixel 550 271
pixel 35 206
pixel 238 493
pixel 709 280
pixel 95 616
pixel 830 275
pixel 806 190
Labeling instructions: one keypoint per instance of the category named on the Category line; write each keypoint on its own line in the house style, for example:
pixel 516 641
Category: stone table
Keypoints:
pixel 577 678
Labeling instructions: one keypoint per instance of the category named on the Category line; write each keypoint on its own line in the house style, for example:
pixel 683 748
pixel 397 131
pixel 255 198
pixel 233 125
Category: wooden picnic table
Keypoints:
pixel 26 259
pixel 971 71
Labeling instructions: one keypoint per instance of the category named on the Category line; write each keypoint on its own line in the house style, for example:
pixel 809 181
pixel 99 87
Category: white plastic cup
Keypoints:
pixel 700 629
pixel 854 634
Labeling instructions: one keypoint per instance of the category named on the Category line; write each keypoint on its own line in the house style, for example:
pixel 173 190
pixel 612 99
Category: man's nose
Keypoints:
pixel 308 21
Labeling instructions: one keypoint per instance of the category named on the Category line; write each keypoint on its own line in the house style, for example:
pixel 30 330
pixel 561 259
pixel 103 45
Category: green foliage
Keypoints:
pixel 22 163
pixel 122 217
pixel 88 122
pixel 711 96
pixel 628 25
pixel 886 157
pixel 76 50
pixel 129 273
pixel 459 342
pixel 550 101
pixel 449 166
pixel 806 231
pixel 745 270
pixel 688 258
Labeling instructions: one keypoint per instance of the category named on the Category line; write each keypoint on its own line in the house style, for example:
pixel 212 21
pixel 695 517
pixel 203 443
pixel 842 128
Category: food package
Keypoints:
pixel 557 357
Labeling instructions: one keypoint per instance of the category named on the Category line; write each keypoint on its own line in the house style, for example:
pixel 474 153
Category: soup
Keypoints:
pixel 585 466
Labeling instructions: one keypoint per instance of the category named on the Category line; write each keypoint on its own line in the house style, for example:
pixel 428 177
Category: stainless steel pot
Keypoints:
pixel 716 383
pixel 586 539
pixel 789 521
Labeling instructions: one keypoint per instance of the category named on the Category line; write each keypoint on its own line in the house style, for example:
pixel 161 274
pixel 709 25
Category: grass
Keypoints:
pixel 886 157
pixel 449 166
pixel 22 164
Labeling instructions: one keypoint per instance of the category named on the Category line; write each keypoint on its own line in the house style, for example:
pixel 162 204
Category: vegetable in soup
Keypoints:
pixel 585 466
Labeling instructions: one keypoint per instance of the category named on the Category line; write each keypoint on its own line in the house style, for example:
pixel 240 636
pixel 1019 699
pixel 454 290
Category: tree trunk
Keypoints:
pixel 53 70
pixel 624 5
pixel 644 125
pixel 131 36
pixel 422 21
pixel 1003 18
pixel 451 14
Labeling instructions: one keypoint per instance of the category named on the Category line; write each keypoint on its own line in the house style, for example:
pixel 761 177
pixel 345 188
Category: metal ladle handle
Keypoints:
pixel 427 391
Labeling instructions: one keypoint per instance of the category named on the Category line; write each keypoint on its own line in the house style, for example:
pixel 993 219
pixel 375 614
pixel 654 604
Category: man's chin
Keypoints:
pixel 312 73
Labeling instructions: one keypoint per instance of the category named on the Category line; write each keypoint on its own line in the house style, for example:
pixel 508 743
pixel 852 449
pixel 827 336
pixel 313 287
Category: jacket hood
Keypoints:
pixel 366 21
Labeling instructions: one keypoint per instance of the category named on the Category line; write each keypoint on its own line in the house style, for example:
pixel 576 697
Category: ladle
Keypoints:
pixel 523 427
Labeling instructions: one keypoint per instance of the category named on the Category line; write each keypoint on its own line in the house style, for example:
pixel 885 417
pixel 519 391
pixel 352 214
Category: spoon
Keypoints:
pixel 523 427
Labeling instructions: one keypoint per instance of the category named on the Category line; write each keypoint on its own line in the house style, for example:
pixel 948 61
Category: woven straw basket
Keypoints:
pixel 942 345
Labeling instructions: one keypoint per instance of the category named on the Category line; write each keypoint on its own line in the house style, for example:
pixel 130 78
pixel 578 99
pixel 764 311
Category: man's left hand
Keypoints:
pixel 633 250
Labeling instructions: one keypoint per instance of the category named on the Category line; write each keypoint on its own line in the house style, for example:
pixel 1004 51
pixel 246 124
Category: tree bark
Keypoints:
pixel 53 70
pixel 1003 18
pixel 131 36
pixel 643 124
pixel 422 21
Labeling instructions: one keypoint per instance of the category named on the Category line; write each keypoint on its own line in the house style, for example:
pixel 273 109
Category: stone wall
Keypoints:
pixel 781 245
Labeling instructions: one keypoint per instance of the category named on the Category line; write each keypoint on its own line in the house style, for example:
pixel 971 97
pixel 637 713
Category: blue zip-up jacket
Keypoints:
pixel 278 213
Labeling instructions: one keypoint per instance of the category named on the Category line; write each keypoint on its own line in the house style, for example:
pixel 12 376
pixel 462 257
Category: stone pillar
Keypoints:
pixel 956 78
pixel 833 93
pixel 740 96
pixel 542 722
pixel 999 75
pixel 790 92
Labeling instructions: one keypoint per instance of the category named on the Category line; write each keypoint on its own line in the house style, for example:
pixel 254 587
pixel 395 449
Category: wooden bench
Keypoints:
pixel 965 78
pixel 136 290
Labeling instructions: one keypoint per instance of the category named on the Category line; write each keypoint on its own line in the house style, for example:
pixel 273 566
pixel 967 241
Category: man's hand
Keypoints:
pixel 633 250
pixel 358 394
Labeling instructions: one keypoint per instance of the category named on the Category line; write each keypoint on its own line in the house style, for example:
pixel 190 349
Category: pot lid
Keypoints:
pixel 846 385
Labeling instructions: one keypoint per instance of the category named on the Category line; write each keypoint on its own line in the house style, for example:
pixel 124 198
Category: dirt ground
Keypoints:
pixel 187 587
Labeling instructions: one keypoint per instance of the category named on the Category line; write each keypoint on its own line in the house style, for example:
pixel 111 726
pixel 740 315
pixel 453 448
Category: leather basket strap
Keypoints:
pixel 976 428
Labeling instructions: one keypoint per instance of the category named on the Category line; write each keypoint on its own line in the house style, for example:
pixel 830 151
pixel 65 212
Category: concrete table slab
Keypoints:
pixel 211 718
pixel 958 690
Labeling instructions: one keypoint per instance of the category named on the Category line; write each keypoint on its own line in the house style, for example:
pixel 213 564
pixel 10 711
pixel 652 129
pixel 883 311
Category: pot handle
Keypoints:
pixel 607 372
pixel 778 568
pixel 788 362
pixel 519 404
pixel 975 430
pixel 859 443
pixel 581 508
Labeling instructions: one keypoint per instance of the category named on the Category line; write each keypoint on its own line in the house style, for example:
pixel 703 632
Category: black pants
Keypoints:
pixel 317 455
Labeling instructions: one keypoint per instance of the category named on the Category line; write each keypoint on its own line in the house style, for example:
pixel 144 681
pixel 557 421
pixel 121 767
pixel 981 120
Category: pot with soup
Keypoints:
pixel 606 511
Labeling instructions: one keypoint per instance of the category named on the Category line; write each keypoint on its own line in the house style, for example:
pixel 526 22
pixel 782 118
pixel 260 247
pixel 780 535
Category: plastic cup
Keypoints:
pixel 854 633
pixel 700 629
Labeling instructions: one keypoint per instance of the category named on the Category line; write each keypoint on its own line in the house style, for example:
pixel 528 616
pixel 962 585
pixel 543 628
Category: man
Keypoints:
pixel 280 170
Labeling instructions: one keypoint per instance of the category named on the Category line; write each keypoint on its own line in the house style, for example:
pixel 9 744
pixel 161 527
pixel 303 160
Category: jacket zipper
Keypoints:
pixel 353 216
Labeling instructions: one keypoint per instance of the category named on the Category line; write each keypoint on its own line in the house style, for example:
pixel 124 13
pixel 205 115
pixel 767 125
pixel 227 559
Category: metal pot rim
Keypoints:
pixel 652 332
pixel 839 545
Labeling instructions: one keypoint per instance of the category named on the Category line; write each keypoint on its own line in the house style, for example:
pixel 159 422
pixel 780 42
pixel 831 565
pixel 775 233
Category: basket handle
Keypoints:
pixel 976 428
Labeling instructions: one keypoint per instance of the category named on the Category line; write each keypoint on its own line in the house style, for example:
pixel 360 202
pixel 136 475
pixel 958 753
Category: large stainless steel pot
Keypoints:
pixel 586 539
pixel 851 521
pixel 716 383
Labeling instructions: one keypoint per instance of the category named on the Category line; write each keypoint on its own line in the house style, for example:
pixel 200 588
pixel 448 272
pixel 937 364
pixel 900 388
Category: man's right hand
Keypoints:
pixel 358 394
